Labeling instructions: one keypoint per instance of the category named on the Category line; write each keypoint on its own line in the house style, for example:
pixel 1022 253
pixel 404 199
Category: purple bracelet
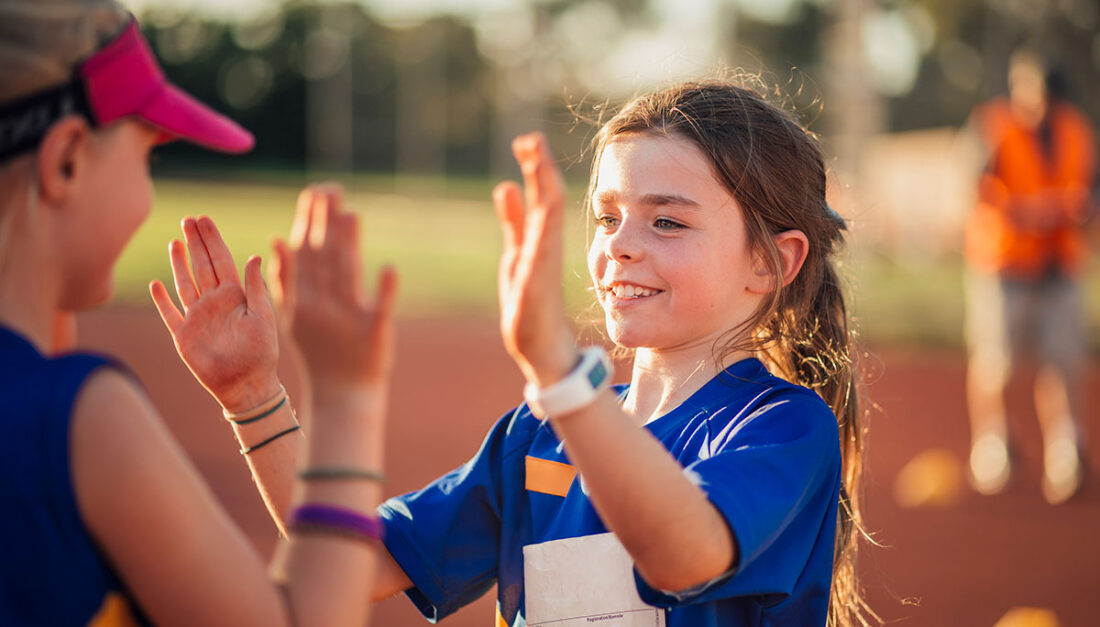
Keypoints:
pixel 314 517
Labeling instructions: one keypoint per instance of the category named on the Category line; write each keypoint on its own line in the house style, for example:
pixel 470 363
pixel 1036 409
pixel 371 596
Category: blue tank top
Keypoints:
pixel 51 572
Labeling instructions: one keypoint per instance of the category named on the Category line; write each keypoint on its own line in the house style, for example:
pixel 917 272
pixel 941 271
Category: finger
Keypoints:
pixel 181 275
pixel 168 313
pixel 508 201
pixel 225 271
pixel 255 292
pixel 303 218
pixel 328 208
pixel 382 325
pixel 346 261
pixel 385 295
pixel 201 268
pixel 281 275
pixel 317 258
pixel 543 184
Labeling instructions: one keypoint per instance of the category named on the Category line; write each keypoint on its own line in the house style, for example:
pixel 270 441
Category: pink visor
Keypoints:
pixel 123 79
pixel 119 80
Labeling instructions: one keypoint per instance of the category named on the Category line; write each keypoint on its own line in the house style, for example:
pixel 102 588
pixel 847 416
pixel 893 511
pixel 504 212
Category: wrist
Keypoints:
pixel 588 377
pixel 249 398
pixel 553 366
pixel 351 402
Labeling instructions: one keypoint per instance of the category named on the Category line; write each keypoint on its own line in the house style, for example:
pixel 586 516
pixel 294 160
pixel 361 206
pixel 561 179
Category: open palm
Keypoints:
pixel 532 313
pixel 226 333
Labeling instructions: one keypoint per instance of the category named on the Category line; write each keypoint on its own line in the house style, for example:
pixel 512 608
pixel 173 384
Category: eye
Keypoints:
pixel 606 221
pixel 664 224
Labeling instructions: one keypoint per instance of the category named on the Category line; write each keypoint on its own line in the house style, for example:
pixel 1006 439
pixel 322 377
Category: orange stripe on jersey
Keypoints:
pixel 549 477
pixel 500 622
pixel 115 612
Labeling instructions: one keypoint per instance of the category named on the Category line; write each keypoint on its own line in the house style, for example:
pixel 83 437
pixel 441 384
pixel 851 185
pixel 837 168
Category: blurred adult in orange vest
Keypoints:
pixel 1025 248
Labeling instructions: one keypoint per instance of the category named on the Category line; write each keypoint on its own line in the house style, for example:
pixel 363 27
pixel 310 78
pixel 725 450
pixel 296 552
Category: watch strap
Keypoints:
pixel 577 389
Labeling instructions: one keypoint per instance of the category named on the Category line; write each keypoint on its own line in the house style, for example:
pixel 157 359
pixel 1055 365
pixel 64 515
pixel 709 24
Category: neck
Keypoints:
pixel 29 289
pixel 31 318
pixel 662 380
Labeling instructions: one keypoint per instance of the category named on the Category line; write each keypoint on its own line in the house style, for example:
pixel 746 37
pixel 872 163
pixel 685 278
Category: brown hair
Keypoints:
pixel 774 169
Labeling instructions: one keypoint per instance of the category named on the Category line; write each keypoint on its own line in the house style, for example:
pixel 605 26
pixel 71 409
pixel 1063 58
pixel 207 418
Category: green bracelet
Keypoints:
pixel 325 474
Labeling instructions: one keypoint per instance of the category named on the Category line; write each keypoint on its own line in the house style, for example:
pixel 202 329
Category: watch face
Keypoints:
pixel 597 374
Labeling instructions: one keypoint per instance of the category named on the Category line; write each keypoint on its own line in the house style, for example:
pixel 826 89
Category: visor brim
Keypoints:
pixel 181 116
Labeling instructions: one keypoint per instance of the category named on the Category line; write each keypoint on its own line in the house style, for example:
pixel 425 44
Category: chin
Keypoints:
pixel 87 298
pixel 625 337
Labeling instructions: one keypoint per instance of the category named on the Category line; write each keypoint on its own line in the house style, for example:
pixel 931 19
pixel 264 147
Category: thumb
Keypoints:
pixel 255 292
pixel 280 275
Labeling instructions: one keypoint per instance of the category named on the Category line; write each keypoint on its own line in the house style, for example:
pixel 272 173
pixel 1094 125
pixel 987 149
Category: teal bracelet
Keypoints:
pixel 324 474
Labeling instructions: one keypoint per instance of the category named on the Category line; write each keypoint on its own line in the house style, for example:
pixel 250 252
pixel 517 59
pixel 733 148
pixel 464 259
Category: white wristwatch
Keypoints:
pixel 579 388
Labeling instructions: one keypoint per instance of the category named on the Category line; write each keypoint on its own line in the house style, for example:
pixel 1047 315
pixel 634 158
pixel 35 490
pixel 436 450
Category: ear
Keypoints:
pixel 61 158
pixel 792 246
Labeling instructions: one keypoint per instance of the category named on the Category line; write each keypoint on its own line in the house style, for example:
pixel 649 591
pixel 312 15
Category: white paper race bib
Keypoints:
pixel 586 581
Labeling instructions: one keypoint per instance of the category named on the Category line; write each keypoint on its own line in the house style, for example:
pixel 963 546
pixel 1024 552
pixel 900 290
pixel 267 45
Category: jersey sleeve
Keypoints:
pixel 446 536
pixel 774 476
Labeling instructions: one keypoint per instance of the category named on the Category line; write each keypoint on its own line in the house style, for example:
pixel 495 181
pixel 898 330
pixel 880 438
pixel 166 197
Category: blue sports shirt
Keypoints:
pixel 51 572
pixel 765 452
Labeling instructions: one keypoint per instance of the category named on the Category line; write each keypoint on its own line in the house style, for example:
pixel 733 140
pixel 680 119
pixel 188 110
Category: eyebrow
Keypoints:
pixel 651 200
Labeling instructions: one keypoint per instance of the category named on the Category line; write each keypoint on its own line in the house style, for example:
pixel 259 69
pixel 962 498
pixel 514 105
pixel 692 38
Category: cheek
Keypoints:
pixel 138 204
pixel 597 263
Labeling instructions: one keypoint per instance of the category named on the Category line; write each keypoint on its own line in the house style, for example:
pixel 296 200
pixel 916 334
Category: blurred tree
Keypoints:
pixel 456 88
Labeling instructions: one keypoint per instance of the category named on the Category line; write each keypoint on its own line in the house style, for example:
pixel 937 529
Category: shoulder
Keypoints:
pixel 113 422
pixel 516 430
pixel 768 408
pixel 1073 117
pixel 109 397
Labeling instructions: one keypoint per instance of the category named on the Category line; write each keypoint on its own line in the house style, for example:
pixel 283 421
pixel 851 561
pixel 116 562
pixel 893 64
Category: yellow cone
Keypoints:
pixel 1028 617
pixel 933 478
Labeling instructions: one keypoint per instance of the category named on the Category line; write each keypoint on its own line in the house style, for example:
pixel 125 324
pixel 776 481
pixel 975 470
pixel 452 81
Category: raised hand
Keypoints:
pixel 345 340
pixel 226 333
pixel 532 311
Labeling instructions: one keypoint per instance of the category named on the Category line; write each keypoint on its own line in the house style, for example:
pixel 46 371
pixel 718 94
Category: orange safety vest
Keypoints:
pixel 1053 185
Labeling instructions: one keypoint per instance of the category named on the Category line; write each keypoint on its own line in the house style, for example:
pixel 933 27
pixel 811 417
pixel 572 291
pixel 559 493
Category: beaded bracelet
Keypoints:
pixel 327 473
pixel 330 519
pixel 259 412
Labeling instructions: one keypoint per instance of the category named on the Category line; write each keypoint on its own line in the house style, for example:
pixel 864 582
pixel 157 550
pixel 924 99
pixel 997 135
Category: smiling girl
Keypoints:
pixel 718 487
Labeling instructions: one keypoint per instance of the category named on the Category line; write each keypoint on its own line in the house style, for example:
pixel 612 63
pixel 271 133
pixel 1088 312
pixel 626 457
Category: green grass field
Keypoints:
pixel 445 248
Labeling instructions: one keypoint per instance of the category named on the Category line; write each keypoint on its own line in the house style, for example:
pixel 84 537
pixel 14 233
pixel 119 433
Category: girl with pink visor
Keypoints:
pixel 107 522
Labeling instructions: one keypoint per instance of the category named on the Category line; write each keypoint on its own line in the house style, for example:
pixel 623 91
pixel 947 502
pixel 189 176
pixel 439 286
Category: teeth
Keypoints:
pixel 630 291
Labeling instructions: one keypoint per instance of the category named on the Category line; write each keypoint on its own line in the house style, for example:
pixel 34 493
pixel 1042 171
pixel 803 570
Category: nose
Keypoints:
pixel 625 243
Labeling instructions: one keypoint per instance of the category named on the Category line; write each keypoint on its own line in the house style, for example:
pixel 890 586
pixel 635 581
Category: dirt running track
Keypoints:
pixel 963 565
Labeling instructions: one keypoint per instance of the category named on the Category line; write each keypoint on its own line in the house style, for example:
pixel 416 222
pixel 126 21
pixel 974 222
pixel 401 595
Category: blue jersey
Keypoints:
pixel 51 572
pixel 765 452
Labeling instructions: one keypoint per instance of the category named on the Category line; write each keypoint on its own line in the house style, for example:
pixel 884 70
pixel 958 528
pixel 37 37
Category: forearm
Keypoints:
pixel 273 464
pixel 676 536
pixel 331 578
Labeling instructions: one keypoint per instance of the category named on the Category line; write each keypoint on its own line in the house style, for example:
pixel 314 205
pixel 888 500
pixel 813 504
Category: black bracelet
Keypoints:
pixel 249 449
pixel 259 416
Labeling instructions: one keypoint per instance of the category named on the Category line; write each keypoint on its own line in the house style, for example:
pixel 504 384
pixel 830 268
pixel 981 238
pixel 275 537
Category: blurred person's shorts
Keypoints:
pixel 1009 318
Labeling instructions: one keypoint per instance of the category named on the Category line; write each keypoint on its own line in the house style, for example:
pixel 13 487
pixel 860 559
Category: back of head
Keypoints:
pixel 41 41
pixel 774 168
